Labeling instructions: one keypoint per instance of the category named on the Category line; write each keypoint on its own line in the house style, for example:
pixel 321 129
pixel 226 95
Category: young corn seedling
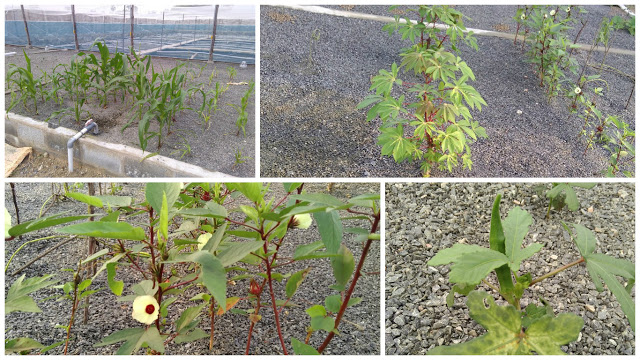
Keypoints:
pixel 512 330
pixel 241 109
pixel 232 72
pixel 436 112
pixel 213 74
pixel 24 83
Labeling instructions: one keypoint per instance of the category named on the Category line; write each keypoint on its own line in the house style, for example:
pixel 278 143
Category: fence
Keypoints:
pixel 181 32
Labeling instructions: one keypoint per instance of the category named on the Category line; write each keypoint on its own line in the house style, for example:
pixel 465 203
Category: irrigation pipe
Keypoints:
pixel 625 9
pixel 87 126
pixel 387 19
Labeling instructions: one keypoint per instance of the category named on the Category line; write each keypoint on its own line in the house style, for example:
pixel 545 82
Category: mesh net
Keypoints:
pixel 180 31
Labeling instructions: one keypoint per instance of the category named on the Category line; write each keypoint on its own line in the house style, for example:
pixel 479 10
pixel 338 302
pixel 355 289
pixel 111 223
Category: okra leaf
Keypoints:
pixel 604 268
pixel 516 226
pixel 504 331
pixel 471 263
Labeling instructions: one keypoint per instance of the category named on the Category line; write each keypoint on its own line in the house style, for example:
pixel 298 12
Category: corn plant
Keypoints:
pixel 241 109
pixel 512 330
pixel 108 74
pixel 232 72
pixel 213 74
pixel 25 84
pixel 441 124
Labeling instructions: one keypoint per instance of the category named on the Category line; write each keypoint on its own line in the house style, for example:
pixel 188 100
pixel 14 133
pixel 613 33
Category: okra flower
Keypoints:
pixel 568 9
pixel 203 239
pixel 552 12
pixel 577 90
pixel 545 16
pixel 301 221
pixel 522 17
pixel 145 309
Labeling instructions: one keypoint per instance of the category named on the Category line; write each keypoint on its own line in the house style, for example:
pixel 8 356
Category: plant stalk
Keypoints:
pixel 554 272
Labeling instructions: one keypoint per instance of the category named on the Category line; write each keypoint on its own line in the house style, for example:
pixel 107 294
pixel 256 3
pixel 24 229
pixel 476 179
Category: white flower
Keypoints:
pixel 302 221
pixel 145 309
pixel 568 9
pixel 203 239
pixel 545 16
pixel 552 12
pixel 577 90
pixel 7 223
pixel 523 17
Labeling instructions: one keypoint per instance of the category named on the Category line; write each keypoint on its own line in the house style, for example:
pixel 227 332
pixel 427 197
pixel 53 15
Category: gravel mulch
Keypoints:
pixel 310 126
pixel 422 219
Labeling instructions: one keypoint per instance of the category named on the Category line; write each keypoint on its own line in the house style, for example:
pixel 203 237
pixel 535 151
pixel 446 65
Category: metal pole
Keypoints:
pixel 131 30
pixel 162 31
pixel 213 36
pixel 124 13
pixel 195 26
pixel 26 28
pixel 181 29
pixel 75 29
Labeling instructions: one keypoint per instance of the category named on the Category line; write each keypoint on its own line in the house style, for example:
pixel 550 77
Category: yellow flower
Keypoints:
pixel 145 309
pixel 7 223
pixel 203 239
pixel 302 221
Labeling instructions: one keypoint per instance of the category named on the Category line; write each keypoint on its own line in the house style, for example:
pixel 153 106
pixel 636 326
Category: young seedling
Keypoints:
pixel 562 194
pixel 437 110
pixel 232 72
pixel 534 329
pixel 315 37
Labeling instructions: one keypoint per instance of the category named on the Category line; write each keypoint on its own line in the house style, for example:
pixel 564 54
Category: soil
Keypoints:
pixel 422 219
pixel 43 165
pixel 213 147
pixel 310 126
pixel 359 330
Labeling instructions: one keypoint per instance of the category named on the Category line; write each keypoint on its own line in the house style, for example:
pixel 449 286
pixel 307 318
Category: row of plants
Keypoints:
pixel 428 117
pixel 513 329
pixel 151 96
pixel 553 55
pixel 193 242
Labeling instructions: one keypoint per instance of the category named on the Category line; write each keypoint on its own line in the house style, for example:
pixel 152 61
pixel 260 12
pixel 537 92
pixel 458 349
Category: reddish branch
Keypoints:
pixel 356 276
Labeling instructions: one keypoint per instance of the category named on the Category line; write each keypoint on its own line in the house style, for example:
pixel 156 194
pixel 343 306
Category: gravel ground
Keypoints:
pixel 359 332
pixel 310 125
pixel 422 219
pixel 213 148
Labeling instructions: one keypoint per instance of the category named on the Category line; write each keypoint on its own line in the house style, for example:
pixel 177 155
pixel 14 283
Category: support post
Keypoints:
pixel 75 29
pixel 26 27
pixel 131 33
pixel 91 267
pixel 162 31
pixel 213 36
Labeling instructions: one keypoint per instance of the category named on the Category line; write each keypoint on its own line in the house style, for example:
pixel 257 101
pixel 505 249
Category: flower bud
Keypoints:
pixel 577 90
pixel 254 288
pixel 206 196
pixel 145 309
pixel 552 12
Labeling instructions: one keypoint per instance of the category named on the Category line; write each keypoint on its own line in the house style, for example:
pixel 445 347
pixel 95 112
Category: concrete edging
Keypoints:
pixel 117 159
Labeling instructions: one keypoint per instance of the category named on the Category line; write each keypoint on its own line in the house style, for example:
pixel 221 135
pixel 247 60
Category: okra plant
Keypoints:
pixel 512 330
pixel 562 194
pixel 188 244
pixel 434 104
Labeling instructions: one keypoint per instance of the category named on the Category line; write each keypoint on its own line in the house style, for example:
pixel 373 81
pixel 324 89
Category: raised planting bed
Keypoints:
pixel 316 68
pixel 359 329
pixel 423 219
pixel 216 144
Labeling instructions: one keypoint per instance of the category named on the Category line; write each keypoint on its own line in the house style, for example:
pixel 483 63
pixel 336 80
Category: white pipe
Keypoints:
pixel 387 19
pixel 10 53
pixel 625 9
pixel 87 126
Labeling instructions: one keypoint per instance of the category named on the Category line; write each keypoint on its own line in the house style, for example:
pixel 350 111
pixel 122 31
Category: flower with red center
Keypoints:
pixel 145 309
pixel 206 196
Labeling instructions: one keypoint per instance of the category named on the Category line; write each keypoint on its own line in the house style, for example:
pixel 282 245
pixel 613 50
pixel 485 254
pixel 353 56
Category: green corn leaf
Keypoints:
pixel 504 331
pixel 300 348
pixel 516 226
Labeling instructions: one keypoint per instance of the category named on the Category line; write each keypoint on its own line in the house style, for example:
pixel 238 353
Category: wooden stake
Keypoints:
pixel 213 36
